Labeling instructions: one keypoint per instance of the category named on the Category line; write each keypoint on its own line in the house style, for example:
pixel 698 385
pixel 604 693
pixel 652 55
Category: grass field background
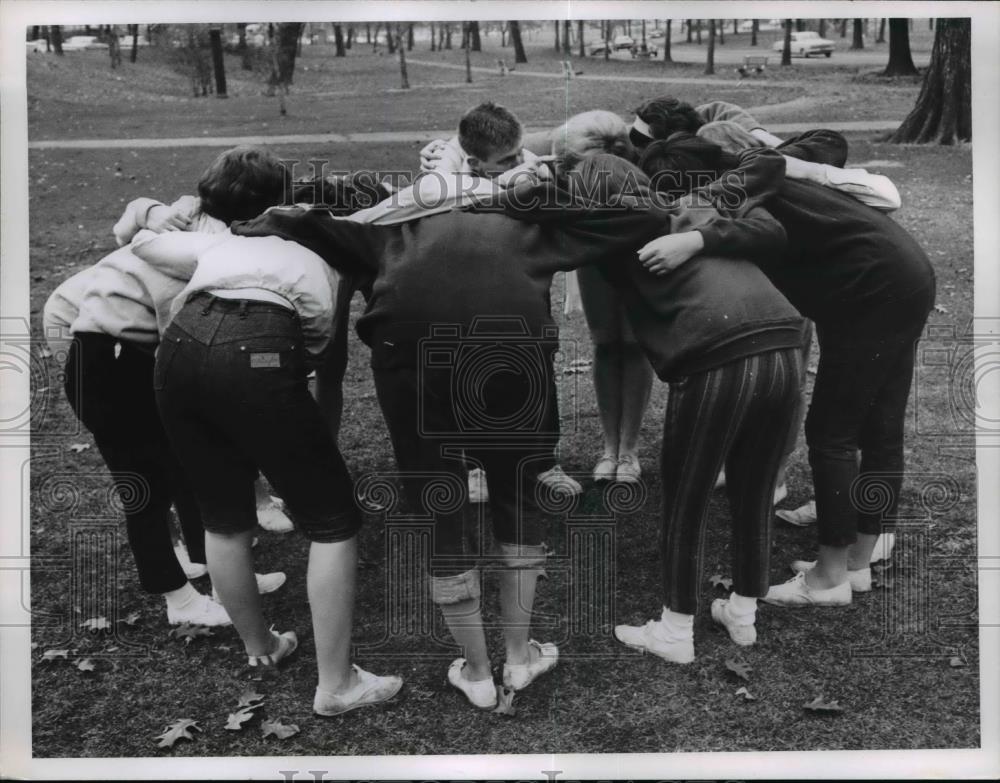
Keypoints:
pixel 601 698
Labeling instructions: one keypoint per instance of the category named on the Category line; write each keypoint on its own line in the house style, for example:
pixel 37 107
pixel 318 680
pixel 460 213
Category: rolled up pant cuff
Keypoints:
pixel 455 589
pixel 520 555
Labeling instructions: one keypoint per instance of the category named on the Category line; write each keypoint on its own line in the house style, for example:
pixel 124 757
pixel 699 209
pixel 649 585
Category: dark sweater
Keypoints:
pixel 461 267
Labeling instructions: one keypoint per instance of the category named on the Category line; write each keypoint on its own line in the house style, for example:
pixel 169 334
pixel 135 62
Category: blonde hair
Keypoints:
pixel 588 133
pixel 730 136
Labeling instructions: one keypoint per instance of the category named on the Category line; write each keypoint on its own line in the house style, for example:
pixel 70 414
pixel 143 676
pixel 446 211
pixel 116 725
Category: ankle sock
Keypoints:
pixel 182 596
pixel 742 607
pixel 677 626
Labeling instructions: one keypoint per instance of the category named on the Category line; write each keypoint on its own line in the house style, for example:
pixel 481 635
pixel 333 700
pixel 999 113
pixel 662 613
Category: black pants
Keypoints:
pixel 859 403
pixel 738 415
pixel 113 396
pixel 231 386
pixel 439 420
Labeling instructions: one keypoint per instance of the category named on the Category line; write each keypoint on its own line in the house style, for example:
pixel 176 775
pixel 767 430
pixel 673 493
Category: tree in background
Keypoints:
pixel 433 37
pixel 468 55
pixel 688 30
pixel 722 33
pixel 338 39
pixel 697 31
pixel 943 112
pixel 754 29
pixel 218 63
pixel 567 35
pixel 133 30
pixel 477 44
pixel 284 46
pixel 710 58
pixel 666 43
pixel 556 26
pixel 515 37
pixel 900 59
pixel 580 41
pixel 351 32
pixel 858 41
pixel 881 31
pixel 822 28
pixel 447 35
pixel 402 54
pixel 786 51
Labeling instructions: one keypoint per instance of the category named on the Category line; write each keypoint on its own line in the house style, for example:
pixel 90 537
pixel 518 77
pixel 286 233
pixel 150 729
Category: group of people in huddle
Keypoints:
pixel 209 351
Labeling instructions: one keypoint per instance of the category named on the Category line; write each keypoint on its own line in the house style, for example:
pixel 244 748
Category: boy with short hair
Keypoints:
pixel 489 142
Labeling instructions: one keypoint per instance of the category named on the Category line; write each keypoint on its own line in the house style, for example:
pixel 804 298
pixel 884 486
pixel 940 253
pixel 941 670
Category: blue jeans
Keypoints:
pixel 231 386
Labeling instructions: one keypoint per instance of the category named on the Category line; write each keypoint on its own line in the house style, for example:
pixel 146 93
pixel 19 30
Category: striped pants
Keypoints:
pixel 739 415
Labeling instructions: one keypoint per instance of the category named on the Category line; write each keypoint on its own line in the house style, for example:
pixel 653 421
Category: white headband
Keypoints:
pixel 639 125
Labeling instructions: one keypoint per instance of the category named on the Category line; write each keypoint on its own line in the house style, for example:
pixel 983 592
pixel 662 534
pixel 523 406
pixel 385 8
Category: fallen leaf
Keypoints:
pixel 51 655
pixel 278 729
pixel 740 669
pixel 505 702
pixel 248 697
pixel 76 448
pixel 718 580
pixel 819 704
pixel 189 632
pixel 131 618
pixel 747 696
pixel 238 718
pixel 956 662
pixel 177 730
pixel 96 624
pixel 85 665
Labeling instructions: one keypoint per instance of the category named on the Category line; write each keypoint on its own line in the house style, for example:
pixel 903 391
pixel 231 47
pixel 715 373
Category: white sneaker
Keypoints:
pixel 478 491
pixel 606 468
pixel 272 518
pixel 883 547
pixel 191 570
pixel 370 689
pixel 480 693
pixel 652 638
pixel 518 676
pixel 780 493
pixel 556 479
pixel 199 611
pixel 628 471
pixel 266 583
pixel 861 580
pixel 795 592
pixel 740 631
pixel 803 516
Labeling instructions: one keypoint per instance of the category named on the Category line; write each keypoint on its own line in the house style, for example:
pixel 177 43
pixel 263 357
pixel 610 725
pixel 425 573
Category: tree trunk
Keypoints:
pixel 468 61
pixel 666 43
pixel 477 44
pixel 338 38
pixel 943 112
pixel 114 47
pixel 556 23
pixel 404 77
pixel 900 59
pixel 608 30
pixel 218 63
pixel 881 31
pixel 447 35
pixel 644 35
pixel 135 44
pixel 515 38
pixel 433 37
pixel 843 28
pixel 800 25
pixel 287 39
pixel 822 28
pixel 754 28
pixel 786 52
pixel 368 32
pixel 736 26
pixel 688 30
pixel 710 58
pixel 858 41
pixel 351 32
pixel 722 33
pixel 697 31
pixel 580 41
pixel 567 33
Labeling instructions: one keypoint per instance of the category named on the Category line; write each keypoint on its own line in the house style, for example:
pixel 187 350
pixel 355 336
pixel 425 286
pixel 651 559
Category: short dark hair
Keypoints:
pixel 666 116
pixel 673 165
pixel 487 128
pixel 243 182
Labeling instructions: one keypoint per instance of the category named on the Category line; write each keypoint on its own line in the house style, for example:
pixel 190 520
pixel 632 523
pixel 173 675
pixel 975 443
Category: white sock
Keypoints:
pixel 677 626
pixel 182 596
pixel 742 606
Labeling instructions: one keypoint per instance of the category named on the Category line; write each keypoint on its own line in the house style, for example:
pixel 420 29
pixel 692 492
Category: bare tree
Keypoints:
pixel 579 35
pixel 409 37
pixel 710 58
pixel 697 31
pixel 556 25
pixel 433 37
pixel 943 112
pixel 468 56
pixel 786 52
pixel 283 50
pixel 567 33
pixel 338 38
pixel 667 58
pixel 404 77
pixel 754 29
pixel 477 44
pixel 351 32
pixel 822 28
pixel 447 35
pixel 134 55
pixel 881 31
pixel 689 28
pixel 900 59
pixel 515 37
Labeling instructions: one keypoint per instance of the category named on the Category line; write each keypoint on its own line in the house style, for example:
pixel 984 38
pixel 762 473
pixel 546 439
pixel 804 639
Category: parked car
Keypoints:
pixel 746 25
pixel 623 42
pixel 806 43
pixel 38 45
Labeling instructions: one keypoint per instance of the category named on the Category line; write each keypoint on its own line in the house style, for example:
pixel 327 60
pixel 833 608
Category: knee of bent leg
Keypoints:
pixel 455 589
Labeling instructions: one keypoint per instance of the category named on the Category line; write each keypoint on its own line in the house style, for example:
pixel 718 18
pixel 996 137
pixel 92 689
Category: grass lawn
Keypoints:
pixel 601 698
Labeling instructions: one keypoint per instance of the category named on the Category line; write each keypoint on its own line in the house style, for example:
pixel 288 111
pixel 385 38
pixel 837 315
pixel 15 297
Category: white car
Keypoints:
pixel 806 43
pixel 76 43
pixel 623 42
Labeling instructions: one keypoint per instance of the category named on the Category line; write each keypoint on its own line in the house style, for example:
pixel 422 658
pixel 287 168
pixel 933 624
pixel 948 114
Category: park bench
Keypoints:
pixel 752 64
